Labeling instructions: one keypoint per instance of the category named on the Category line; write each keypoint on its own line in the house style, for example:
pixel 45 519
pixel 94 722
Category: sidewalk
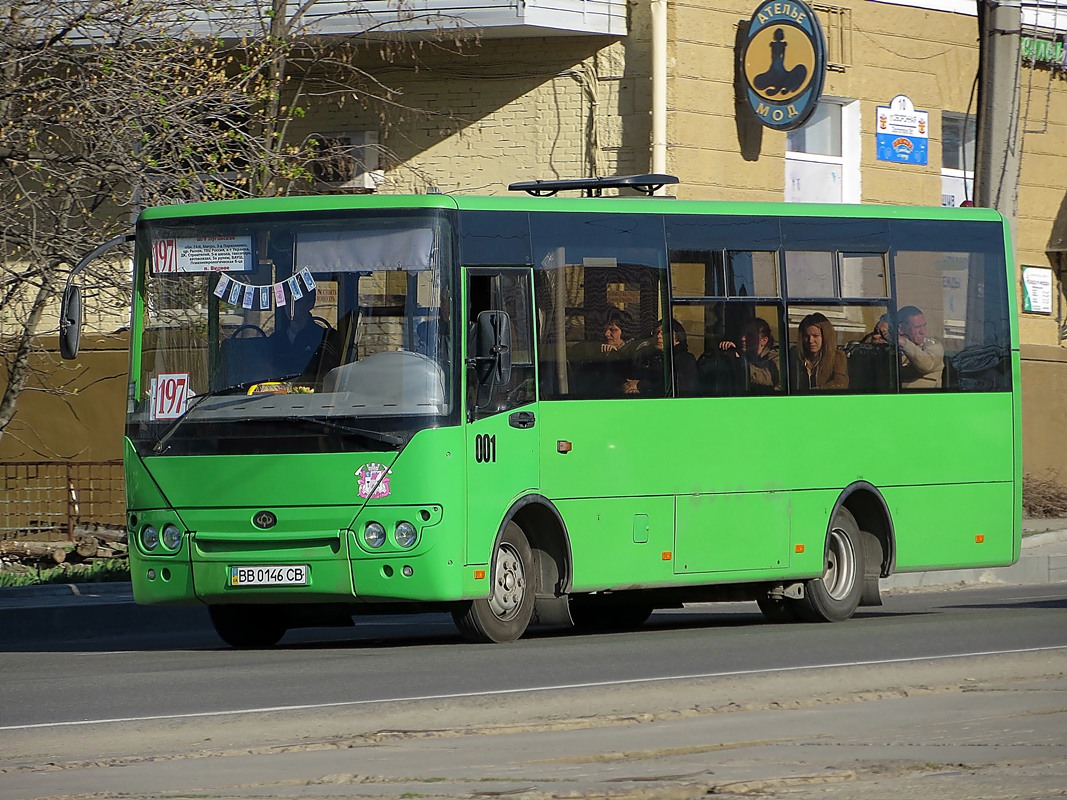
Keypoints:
pixel 72 612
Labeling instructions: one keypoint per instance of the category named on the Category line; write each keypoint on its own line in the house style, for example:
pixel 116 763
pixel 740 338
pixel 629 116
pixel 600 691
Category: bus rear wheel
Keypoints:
pixel 506 613
pixel 835 595
pixel 248 627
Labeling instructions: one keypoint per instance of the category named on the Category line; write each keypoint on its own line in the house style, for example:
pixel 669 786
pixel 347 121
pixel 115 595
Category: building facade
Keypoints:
pixel 574 88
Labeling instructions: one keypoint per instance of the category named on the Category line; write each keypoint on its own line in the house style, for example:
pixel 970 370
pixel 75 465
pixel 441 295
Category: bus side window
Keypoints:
pixel 960 288
pixel 586 266
pixel 737 347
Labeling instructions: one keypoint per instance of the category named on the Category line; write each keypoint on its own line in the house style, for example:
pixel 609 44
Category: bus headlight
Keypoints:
pixel 172 536
pixel 374 535
pixel 149 537
pixel 405 534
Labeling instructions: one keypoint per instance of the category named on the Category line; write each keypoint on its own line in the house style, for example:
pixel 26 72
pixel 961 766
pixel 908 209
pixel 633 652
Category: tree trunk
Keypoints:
pixel 20 366
pixel 57 551
pixel 87 548
pixel 113 535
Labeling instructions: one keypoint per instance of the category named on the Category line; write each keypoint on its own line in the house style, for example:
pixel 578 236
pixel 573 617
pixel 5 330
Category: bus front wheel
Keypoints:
pixel 248 627
pixel 835 595
pixel 505 614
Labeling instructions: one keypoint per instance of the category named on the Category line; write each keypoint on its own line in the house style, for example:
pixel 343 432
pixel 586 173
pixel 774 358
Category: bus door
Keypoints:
pixel 502 426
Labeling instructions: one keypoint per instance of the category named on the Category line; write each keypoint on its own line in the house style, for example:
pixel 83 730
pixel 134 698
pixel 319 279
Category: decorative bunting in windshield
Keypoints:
pixel 247 295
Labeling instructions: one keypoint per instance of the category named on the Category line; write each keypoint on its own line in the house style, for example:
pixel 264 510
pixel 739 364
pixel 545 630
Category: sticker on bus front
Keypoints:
pixel 277 575
pixel 374 480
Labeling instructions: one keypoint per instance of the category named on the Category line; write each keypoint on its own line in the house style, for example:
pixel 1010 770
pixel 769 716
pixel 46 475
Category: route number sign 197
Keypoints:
pixel 169 395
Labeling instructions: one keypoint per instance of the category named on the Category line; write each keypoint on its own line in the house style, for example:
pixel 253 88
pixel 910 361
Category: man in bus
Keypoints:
pixel 304 348
pixel 922 359
pixel 759 355
pixel 649 368
pixel 880 333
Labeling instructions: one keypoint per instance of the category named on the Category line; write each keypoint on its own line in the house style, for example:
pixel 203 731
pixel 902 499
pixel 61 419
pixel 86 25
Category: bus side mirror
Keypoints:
pixel 494 347
pixel 70 322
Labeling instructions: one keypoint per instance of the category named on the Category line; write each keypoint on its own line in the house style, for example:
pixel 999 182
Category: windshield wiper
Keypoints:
pixel 377 436
pixel 158 447
pixel 162 440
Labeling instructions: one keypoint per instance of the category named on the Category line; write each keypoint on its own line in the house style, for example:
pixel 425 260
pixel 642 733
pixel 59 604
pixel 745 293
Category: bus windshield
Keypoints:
pixel 295 333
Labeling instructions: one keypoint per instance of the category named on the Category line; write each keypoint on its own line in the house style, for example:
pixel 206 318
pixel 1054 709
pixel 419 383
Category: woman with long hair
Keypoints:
pixel 817 363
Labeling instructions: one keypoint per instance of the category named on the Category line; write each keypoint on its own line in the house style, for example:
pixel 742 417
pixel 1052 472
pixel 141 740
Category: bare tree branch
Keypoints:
pixel 110 106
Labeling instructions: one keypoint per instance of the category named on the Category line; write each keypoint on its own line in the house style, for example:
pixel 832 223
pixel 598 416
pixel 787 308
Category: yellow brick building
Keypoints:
pixel 567 88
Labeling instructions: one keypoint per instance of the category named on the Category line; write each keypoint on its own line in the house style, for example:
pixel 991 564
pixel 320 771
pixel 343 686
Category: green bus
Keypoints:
pixel 562 410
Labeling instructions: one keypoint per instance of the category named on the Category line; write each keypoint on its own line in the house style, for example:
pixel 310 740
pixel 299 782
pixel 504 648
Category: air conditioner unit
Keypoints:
pixel 348 161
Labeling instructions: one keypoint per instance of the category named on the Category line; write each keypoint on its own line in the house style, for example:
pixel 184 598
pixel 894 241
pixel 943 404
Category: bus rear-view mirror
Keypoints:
pixel 494 347
pixel 70 322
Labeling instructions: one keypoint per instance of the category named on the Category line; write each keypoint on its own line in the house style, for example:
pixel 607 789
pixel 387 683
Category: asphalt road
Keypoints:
pixel 951 694
pixel 397 659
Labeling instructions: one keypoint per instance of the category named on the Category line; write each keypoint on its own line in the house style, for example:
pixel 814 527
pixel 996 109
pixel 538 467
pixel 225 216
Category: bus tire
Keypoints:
pixel 506 613
pixel 835 595
pixel 248 627
pixel 596 613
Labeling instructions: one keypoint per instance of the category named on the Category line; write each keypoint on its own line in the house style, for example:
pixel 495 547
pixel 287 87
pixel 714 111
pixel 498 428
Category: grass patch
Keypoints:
pixel 101 571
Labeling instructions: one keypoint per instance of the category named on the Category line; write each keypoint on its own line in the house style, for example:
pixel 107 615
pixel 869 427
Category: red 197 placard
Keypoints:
pixel 170 391
pixel 164 256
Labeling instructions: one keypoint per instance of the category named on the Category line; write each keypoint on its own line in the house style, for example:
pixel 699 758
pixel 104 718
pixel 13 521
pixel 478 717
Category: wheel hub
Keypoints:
pixel 840 573
pixel 509 583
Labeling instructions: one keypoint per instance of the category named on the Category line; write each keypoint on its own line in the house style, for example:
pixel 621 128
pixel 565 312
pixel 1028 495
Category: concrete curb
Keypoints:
pixel 73 612
pixel 67 590
pixel 79 623
pixel 1028 570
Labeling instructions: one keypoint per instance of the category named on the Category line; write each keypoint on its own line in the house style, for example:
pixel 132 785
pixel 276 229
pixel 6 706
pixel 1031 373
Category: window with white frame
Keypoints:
pixel 822 162
pixel 957 158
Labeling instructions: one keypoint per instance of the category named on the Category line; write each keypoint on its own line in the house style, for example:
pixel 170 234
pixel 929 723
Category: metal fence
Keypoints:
pixel 48 499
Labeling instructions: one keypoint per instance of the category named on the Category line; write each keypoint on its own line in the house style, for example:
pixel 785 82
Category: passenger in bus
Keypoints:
pixel 616 327
pixel 647 378
pixel 922 359
pixel 303 347
pixel 431 339
pixel 758 354
pixel 425 338
pixel 880 333
pixel 602 366
pixel 870 359
pixel 817 363
pixel 616 352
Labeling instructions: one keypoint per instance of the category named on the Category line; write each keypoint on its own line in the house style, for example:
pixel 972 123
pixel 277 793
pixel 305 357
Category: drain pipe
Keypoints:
pixel 659 87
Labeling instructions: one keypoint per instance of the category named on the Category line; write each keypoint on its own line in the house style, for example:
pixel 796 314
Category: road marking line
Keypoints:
pixel 530 689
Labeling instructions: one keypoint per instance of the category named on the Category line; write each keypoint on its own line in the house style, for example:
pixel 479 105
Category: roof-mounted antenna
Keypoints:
pixel 594 187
